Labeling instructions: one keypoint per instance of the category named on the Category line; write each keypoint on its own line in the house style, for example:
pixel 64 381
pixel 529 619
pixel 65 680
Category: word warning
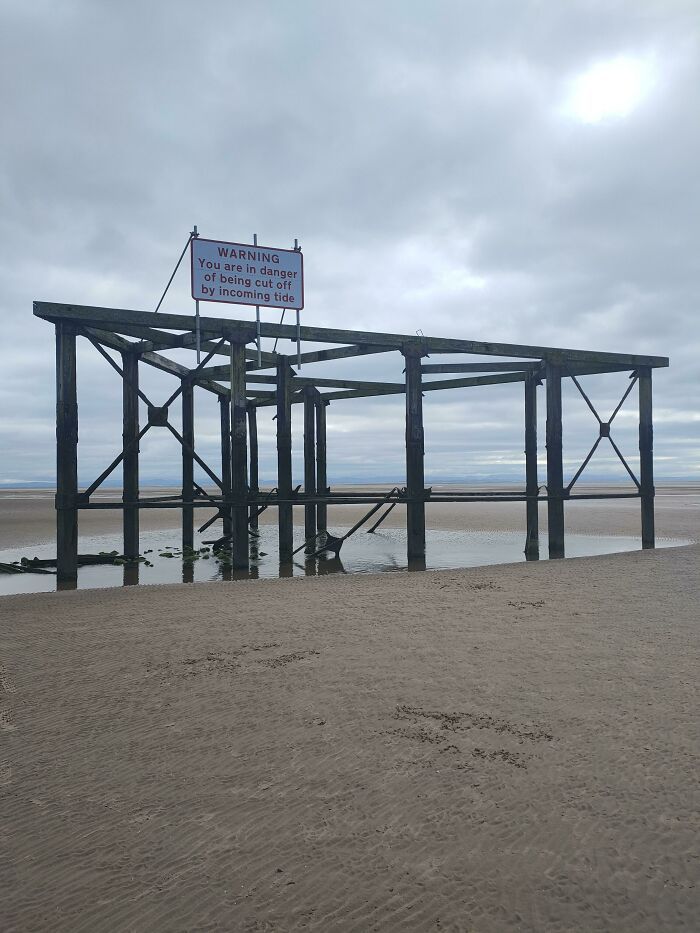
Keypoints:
pixel 247 275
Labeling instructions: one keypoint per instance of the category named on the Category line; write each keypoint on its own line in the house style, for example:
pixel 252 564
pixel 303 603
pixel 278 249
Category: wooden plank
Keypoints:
pixel 321 461
pixel 66 454
pixel 113 318
pixel 310 465
pixel 239 457
pixel 555 466
pixel 285 516
pixel 532 538
pixel 130 434
pixel 415 481
pixel 646 457
pixel 523 365
pixel 187 465
pixel 335 353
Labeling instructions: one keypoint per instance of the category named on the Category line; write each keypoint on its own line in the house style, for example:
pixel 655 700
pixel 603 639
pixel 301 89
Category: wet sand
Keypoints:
pixel 493 749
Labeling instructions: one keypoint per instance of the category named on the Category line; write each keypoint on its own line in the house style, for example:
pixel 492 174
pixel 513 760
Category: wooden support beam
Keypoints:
pixel 114 318
pixel 321 462
pixel 284 459
pixel 130 463
pixel 66 454
pixel 254 476
pixel 646 457
pixel 225 421
pixel 532 538
pixel 266 398
pixel 239 457
pixel 310 466
pixel 115 342
pixel 522 365
pixel 187 464
pixel 415 480
pixel 555 466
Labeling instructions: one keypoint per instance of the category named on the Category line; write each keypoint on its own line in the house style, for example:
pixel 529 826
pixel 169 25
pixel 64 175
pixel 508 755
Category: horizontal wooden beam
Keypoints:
pixel 113 318
pixel 521 365
pixel 400 388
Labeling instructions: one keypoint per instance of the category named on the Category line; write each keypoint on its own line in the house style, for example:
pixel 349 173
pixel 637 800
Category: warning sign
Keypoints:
pixel 248 275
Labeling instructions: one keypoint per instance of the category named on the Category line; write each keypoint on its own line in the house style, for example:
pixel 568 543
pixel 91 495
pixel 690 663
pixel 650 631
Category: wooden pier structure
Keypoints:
pixel 232 370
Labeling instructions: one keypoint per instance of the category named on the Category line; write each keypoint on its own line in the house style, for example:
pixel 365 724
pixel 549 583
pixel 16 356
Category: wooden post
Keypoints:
pixel 415 480
pixel 187 464
pixel 646 457
pixel 284 459
pixel 310 466
pixel 532 540
pixel 254 481
pixel 66 454
pixel 225 417
pixel 555 466
pixel 130 438
pixel 321 462
pixel 239 457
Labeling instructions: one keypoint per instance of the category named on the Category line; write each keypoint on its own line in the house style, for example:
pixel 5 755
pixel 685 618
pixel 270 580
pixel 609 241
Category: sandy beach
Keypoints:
pixel 492 749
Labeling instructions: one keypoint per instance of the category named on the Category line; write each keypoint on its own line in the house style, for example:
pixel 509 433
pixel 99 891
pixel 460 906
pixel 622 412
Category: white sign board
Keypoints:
pixel 247 275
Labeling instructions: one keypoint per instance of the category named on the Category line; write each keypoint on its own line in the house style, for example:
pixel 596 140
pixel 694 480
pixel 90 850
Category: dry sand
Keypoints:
pixel 494 749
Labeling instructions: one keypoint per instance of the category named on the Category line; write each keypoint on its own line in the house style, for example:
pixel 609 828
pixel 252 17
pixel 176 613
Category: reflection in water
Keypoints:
pixel 381 552
pixel 416 563
pixel 131 574
pixel 330 565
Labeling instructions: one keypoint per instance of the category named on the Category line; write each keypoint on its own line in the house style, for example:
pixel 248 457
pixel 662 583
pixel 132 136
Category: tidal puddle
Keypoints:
pixel 381 552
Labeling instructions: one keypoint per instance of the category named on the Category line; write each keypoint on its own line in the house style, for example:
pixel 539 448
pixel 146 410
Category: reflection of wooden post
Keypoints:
pixel 532 540
pixel 66 454
pixel 187 464
pixel 415 480
pixel 309 465
pixel 254 481
pixel 284 459
pixel 225 417
pixel 555 465
pixel 321 462
pixel 646 457
pixel 239 457
pixel 130 437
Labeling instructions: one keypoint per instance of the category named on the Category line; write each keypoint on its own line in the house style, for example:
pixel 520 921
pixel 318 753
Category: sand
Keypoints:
pixel 494 749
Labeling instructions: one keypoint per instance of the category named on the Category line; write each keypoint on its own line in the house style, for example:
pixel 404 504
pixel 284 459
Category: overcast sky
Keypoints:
pixel 516 171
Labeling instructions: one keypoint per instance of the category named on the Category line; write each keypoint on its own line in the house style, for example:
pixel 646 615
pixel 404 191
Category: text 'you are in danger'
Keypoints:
pixel 248 275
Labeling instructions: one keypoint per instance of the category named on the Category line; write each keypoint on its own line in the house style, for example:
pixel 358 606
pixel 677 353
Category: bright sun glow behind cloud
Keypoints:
pixel 610 89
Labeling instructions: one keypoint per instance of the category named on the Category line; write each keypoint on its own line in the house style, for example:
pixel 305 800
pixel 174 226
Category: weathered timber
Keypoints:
pixel 285 516
pixel 254 477
pixel 532 538
pixel 265 399
pixel 239 458
pixel 130 435
pixel 225 421
pixel 66 453
pixel 523 365
pixel 114 318
pixel 321 461
pixel 646 457
pixel 415 479
pixel 555 466
pixel 187 465
pixel 309 466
